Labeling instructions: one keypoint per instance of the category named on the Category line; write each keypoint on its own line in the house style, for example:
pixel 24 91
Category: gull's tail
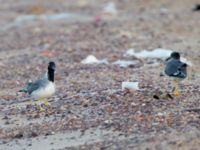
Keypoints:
pixel 26 88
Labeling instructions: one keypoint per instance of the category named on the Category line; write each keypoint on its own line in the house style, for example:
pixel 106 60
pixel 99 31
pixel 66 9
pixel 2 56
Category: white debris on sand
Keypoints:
pixel 156 53
pixel 184 60
pixel 93 60
pixel 125 63
pixel 130 85
pixel 110 9
pixel 21 19
pixel 59 16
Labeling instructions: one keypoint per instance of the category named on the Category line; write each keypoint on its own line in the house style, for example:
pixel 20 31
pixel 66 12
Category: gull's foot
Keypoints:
pixel 41 109
pixel 46 103
pixel 176 93
pixel 45 106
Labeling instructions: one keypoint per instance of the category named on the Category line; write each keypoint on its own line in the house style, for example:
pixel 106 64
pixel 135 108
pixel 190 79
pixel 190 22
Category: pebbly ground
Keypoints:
pixel 89 109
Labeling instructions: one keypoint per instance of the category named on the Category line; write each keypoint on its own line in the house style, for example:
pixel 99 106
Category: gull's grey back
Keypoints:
pixel 176 68
pixel 37 85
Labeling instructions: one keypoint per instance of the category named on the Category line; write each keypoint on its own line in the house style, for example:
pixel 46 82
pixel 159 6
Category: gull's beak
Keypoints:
pixel 52 67
pixel 167 58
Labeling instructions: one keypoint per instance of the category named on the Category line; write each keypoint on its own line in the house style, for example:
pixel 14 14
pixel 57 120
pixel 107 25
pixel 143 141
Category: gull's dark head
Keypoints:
pixel 174 55
pixel 51 70
pixel 52 66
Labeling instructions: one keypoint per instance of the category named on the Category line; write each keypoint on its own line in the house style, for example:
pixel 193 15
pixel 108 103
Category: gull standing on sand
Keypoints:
pixel 42 88
pixel 176 69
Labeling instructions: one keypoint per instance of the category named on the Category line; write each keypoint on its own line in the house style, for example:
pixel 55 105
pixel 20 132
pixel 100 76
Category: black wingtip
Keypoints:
pixel 25 91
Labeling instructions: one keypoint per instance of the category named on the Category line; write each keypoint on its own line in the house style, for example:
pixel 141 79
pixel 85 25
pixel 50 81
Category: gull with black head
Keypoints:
pixel 42 88
pixel 177 70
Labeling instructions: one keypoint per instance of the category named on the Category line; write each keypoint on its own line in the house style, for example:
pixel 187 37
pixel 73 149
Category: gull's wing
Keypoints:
pixel 176 68
pixel 182 71
pixel 36 85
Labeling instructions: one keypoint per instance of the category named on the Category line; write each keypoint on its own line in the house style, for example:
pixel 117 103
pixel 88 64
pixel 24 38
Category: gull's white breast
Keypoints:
pixel 44 92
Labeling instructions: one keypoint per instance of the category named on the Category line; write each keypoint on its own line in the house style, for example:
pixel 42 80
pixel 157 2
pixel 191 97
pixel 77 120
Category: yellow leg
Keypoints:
pixel 46 103
pixel 176 91
pixel 40 107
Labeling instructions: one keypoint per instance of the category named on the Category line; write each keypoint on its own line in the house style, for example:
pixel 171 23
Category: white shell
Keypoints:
pixel 130 85
pixel 93 60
